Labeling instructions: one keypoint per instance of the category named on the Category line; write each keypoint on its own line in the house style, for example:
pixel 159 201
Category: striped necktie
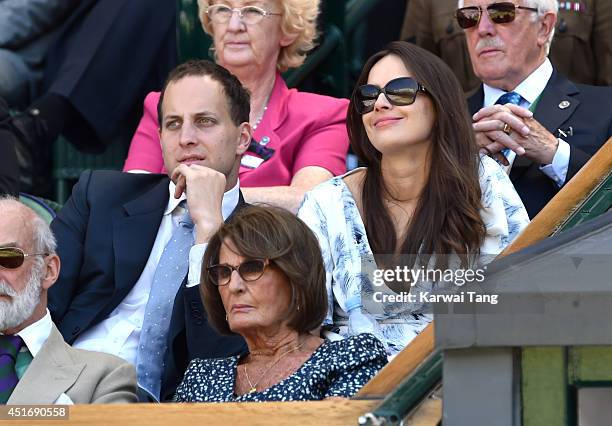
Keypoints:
pixel 9 348
pixel 509 98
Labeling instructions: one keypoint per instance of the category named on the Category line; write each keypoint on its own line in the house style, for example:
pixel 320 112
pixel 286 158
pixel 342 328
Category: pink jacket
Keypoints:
pixel 303 128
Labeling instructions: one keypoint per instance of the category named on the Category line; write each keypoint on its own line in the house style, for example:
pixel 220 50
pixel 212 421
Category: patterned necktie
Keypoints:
pixel 169 274
pixel 9 348
pixel 509 98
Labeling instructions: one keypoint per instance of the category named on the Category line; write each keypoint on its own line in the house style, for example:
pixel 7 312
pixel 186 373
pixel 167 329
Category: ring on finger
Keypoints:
pixel 507 129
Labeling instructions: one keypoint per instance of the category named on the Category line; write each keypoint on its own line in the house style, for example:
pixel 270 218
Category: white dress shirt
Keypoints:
pixel 36 334
pixel 119 333
pixel 530 89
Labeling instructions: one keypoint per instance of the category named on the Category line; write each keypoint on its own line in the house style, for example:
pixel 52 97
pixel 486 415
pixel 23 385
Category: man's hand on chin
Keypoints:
pixel 204 188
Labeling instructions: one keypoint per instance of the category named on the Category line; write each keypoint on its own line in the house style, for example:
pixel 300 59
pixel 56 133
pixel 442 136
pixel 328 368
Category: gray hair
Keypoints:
pixel 544 7
pixel 42 237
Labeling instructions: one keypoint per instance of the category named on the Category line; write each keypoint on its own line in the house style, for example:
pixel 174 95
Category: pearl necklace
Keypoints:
pixel 254 126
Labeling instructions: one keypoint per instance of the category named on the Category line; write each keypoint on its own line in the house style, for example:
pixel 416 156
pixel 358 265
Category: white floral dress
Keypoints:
pixel 330 211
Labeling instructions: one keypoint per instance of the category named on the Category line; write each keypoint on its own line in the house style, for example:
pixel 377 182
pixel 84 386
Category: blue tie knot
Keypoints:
pixel 185 219
pixel 509 98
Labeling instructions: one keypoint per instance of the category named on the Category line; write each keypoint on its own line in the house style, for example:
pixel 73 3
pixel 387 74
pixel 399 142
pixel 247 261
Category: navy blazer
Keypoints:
pixel 105 234
pixel 588 118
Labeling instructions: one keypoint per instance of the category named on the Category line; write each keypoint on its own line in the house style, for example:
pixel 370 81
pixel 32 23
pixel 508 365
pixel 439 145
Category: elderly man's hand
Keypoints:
pixel 510 126
pixel 204 188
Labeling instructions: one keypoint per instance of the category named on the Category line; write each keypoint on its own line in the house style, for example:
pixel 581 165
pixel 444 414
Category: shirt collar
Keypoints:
pixel 229 203
pixel 35 335
pixel 529 89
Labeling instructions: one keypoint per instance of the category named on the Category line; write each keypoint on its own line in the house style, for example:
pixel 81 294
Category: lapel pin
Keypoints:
pixel 564 104
pixel 565 133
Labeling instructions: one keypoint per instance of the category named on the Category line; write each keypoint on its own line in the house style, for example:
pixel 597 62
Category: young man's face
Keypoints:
pixel 197 128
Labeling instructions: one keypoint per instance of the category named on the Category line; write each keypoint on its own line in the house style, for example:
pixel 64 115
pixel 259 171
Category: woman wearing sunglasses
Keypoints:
pixel 424 191
pixel 299 139
pixel 263 278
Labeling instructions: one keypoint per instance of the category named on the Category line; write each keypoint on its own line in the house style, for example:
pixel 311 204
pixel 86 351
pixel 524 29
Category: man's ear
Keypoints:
pixel 52 268
pixel 244 138
pixel 547 24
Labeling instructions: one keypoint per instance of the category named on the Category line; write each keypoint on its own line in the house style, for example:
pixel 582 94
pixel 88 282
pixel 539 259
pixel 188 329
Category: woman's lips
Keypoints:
pixel 241 308
pixel 384 122
pixel 236 44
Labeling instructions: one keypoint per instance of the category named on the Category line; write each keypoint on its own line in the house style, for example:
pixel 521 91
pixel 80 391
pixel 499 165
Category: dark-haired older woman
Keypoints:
pixel 263 278
pixel 299 138
pixel 423 191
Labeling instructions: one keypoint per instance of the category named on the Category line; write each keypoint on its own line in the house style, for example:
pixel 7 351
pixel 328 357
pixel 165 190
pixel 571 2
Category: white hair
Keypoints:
pixel 544 7
pixel 42 237
pixel 23 303
pixel 44 240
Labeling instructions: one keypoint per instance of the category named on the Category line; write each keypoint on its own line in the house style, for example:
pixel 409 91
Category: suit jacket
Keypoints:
pixel 105 234
pixel 85 376
pixel 588 115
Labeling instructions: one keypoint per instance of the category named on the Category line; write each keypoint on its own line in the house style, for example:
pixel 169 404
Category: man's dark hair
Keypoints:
pixel 238 98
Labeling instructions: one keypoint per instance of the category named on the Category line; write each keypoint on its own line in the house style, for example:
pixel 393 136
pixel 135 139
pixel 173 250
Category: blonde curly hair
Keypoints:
pixel 299 17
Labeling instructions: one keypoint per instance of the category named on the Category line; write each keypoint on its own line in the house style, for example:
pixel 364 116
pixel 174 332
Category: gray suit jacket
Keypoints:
pixel 85 376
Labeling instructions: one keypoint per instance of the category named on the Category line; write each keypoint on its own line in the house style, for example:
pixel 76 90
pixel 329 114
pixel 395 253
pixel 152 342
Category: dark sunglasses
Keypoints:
pixel 499 13
pixel 249 270
pixel 399 92
pixel 13 257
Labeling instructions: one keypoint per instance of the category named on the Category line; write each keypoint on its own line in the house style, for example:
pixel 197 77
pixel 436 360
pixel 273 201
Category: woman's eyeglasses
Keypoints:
pixel 499 13
pixel 13 257
pixel 400 92
pixel 249 270
pixel 250 15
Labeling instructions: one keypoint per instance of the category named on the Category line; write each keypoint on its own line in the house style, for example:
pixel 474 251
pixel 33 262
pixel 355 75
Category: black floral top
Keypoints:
pixel 336 368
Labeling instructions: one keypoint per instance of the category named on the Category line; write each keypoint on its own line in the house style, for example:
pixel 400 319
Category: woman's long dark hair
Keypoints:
pixel 446 219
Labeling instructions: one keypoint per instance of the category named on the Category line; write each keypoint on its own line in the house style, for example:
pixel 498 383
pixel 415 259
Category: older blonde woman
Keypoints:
pixel 299 139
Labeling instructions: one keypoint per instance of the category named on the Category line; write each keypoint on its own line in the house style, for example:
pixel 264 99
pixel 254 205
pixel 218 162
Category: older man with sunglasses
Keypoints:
pixel 36 365
pixel 529 117
pixel 581 49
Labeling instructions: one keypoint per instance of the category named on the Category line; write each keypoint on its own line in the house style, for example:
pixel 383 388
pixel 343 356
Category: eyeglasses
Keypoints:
pixel 400 92
pixel 249 270
pixel 13 257
pixel 499 13
pixel 250 15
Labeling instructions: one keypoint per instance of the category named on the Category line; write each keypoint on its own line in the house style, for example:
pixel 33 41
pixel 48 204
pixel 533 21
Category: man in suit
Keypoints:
pixel 581 49
pixel 36 365
pixel 131 262
pixel 527 115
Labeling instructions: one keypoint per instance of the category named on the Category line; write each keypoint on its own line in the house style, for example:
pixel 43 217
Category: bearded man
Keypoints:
pixel 36 365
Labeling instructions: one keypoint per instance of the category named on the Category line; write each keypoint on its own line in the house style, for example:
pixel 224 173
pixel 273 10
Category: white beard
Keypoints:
pixel 22 305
